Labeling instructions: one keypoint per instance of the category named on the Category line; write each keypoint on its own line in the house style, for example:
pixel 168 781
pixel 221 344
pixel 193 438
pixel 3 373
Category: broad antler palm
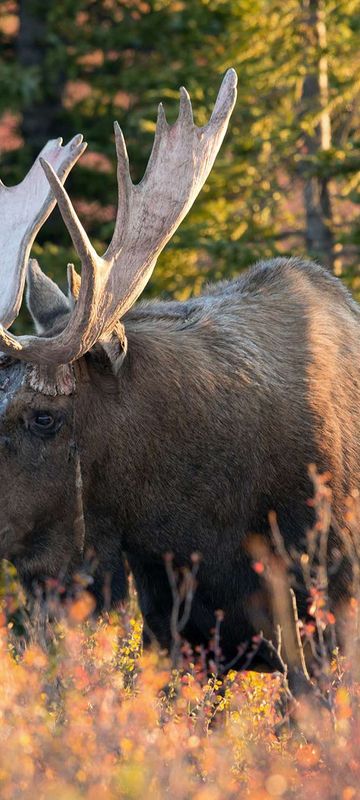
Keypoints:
pixel 23 210
pixel 148 214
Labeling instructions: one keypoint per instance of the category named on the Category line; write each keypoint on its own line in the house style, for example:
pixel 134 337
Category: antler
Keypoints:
pixel 23 210
pixel 148 214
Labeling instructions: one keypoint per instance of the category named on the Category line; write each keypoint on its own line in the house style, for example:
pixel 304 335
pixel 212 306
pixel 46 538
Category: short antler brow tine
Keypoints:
pixel 148 214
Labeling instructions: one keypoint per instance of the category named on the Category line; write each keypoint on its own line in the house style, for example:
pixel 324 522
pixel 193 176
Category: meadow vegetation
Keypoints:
pixel 86 713
pixel 92 716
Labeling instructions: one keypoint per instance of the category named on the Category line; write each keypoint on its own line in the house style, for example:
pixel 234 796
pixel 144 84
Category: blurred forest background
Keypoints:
pixel 287 179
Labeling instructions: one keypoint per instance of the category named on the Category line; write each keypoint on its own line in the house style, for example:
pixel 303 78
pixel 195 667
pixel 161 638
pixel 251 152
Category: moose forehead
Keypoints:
pixel 17 375
pixel 12 378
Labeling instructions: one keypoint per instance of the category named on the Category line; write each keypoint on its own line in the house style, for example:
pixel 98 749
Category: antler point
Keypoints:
pixel 47 168
pixel 185 112
pixel 33 264
pixel 231 74
pixel 161 120
pixel 77 141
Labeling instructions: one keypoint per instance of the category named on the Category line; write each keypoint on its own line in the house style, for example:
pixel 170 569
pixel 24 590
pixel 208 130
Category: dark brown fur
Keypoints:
pixel 210 422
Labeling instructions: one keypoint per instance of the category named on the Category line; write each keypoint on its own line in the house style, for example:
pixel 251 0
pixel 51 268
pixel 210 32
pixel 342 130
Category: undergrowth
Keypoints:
pixel 85 713
pixel 90 715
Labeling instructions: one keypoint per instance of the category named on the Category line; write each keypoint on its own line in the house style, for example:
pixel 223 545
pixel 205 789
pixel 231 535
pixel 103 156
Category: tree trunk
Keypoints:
pixel 315 98
pixel 42 109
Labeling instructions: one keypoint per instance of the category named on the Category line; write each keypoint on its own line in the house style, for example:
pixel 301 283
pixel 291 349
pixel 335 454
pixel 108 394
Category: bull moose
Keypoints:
pixel 187 422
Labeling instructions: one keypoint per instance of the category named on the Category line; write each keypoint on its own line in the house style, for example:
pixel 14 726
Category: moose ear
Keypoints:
pixel 108 355
pixel 45 301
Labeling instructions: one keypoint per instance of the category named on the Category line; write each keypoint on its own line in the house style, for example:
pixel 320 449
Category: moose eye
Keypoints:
pixel 44 424
pixel 44 421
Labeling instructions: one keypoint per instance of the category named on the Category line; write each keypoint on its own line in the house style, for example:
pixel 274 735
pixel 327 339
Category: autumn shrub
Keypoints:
pixel 85 713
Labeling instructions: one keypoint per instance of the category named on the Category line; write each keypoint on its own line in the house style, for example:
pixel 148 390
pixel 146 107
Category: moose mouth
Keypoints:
pixel 36 552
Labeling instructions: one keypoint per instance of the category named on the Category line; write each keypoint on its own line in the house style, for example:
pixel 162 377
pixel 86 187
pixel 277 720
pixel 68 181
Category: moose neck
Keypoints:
pixel 148 425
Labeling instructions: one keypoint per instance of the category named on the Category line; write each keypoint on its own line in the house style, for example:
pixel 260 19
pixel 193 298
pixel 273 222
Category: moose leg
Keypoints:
pixel 104 561
pixel 109 582
pixel 155 601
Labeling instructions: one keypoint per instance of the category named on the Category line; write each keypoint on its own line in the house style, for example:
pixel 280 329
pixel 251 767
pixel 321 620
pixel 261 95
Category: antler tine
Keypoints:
pixel 81 241
pixel 23 210
pixel 122 155
pixel 185 111
pixel 161 122
pixel 125 184
pixel 225 100
pixel 148 214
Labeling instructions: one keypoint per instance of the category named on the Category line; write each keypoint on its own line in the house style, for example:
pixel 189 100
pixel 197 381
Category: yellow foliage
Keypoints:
pixel 90 715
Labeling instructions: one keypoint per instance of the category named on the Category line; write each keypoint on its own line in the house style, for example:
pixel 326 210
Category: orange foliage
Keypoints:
pixel 85 714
